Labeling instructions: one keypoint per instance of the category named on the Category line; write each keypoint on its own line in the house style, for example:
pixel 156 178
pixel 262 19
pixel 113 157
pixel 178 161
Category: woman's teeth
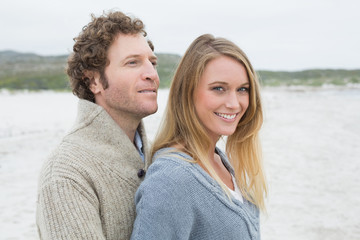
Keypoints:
pixel 226 116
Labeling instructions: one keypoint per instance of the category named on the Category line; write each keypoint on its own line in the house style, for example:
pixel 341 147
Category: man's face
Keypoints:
pixel 132 77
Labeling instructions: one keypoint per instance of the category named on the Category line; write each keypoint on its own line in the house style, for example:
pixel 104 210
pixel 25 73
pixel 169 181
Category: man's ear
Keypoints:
pixel 95 84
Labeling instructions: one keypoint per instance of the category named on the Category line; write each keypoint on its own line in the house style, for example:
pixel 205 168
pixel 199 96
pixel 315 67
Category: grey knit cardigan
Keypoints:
pixel 87 186
pixel 178 200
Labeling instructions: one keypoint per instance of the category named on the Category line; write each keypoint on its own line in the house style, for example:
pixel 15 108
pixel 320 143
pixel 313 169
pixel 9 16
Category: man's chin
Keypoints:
pixel 153 110
pixel 149 111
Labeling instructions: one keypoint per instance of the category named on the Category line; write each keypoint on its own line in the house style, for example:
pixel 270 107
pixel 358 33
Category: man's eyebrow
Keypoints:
pixel 139 55
pixel 154 57
pixel 132 56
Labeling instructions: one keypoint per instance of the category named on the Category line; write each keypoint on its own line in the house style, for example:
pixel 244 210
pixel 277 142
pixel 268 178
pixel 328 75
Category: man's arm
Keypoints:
pixel 68 210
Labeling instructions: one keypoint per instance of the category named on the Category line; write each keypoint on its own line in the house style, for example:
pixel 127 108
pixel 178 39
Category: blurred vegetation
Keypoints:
pixel 34 72
pixel 313 77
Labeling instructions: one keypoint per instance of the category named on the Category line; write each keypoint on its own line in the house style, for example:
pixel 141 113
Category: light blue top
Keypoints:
pixel 179 200
pixel 139 145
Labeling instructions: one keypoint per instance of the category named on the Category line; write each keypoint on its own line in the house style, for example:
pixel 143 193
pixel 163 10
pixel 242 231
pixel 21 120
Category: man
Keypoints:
pixel 87 186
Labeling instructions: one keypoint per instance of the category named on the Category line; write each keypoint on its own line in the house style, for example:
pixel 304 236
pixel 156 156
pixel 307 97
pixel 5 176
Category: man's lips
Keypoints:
pixel 150 90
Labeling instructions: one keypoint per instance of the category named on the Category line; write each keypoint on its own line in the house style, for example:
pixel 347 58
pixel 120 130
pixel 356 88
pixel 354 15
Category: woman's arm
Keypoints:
pixel 163 206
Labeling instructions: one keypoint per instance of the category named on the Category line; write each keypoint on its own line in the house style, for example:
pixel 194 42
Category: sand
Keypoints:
pixel 310 138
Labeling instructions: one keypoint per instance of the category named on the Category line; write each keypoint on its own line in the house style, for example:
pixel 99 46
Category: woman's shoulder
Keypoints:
pixel 171 163
pixel 170 176
pixel 173 155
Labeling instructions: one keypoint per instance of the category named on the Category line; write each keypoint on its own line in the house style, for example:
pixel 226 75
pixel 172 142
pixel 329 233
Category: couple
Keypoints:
pixel 99 184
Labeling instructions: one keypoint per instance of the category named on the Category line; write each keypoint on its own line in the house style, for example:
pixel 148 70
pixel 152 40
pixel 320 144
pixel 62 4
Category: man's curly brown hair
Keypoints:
pixel 91 48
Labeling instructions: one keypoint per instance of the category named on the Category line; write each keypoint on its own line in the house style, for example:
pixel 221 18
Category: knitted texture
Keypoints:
pixel 87 186
pixel 179 200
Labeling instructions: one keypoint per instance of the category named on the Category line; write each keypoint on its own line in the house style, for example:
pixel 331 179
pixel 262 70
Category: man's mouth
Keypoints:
pixel 147 91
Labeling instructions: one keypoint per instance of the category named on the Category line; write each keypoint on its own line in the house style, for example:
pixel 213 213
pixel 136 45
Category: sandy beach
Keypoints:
pixel 310 138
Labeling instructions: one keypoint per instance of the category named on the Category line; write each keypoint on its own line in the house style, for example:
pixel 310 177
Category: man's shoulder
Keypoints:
pixel 62 162
pixel 75 157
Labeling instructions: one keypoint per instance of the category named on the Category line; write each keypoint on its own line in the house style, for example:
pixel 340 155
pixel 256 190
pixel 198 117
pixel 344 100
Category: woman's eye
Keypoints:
pixel 218 88
pixel 244 89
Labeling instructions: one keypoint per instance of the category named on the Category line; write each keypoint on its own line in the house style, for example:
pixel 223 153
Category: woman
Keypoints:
pixel 193 190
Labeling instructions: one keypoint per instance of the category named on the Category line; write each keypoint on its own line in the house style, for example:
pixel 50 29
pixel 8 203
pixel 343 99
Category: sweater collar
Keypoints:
pixel 105 128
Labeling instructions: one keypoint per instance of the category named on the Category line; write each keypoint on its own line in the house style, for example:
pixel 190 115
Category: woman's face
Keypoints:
pixel 222 96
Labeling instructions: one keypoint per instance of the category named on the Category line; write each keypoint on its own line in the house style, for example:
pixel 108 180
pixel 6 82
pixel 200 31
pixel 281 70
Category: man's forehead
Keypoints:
pixel 131 45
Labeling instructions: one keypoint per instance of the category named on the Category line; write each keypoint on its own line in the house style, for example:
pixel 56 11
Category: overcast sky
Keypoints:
pixel 276 34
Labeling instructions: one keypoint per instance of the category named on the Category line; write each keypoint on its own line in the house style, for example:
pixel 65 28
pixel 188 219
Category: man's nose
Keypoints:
pixel 150 72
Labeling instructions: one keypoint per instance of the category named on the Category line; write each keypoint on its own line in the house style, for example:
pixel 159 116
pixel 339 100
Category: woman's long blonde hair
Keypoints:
pixel 181 125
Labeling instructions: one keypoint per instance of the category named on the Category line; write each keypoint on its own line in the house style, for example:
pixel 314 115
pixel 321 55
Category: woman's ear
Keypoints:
pixel 94 79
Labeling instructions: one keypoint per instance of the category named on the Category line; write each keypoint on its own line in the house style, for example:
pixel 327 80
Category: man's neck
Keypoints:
pixel 129 126
pixel 126 122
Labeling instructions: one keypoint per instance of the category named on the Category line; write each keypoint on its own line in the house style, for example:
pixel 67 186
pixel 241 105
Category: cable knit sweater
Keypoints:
pixel 178 200
pixel 87 186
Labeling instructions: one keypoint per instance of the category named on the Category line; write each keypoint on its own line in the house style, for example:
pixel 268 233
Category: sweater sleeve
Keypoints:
pixel 66 210
pixel 162 204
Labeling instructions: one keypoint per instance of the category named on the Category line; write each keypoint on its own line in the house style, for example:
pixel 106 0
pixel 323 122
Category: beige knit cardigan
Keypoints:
pixel 87 186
